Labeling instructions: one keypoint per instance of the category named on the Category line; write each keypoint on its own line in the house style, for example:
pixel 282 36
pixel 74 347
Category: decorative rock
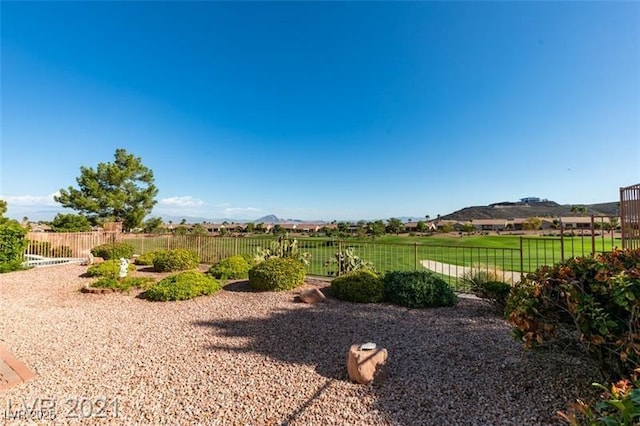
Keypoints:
pixel 312 296
pixel 365 366
pixel 97 260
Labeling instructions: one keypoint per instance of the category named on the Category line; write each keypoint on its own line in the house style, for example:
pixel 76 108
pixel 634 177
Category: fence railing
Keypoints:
pixel 67 244
pixel 630 216
pixel 453 262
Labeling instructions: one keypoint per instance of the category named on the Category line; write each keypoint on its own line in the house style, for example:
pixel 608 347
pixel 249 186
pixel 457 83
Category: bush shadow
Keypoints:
pixel 427 356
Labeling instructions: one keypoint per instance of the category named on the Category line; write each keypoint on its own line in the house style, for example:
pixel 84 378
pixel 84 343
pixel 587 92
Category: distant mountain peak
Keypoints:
pixel 271 218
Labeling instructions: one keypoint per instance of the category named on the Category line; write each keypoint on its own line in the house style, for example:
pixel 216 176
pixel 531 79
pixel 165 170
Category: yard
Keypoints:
pixel 241 357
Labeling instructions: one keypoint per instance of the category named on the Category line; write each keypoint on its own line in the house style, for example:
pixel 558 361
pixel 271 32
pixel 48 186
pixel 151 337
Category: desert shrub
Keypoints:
pixel 62 251
pixel 590 301
pixel 276 274
pixel 618 405
pixel 183 286
pixel 418 289
pixel 108 268
pixel 40 248
pixel 234 267
pixel 124 284
pixel 361 286
pixel 477 276
pixel 145 259
pixel 115 250
pixel 11 266
pixel 496 292
pixel 175 260
pixel 12 241
pixel 346 261
pixel 284 248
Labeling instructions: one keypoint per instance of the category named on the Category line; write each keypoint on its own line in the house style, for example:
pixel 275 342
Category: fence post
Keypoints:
pixel 561 242
pixel 415 256
pixel 593 237
pixel 340 260
pixel 235 245
pixel 522 258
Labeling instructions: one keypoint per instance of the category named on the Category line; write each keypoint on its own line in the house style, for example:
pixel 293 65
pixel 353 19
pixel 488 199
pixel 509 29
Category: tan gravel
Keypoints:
pixel 245 358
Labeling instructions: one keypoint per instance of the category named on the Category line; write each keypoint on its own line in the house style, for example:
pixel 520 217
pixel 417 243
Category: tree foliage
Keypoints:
pixel 395 226
pixel 122 191
pixel 70 222
pixel 376 229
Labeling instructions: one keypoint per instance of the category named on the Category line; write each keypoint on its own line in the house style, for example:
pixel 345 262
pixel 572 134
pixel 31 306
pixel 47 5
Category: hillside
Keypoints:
pixel 508 210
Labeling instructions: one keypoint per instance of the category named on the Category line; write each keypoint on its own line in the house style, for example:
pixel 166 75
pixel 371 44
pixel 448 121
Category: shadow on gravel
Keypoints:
pixel 239 287
pixel 446 365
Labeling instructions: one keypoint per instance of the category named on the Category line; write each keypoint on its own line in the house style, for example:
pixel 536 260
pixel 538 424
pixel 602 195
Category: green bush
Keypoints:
pixel 591 302
pixel 251 260
pixel 276 274
pixel 145 259
pixel 108 268
pixel 124 284
pixel 12 241
pixel 418 289
pixel 361 286
pixel 116 250
pixel 14 265
pixel 495 292
pixel 234 267
pixel 183 286
pixel 175 260
pixel 618 405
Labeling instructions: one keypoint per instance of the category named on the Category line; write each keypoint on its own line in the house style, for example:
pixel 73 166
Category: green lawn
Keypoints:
pixel 390 252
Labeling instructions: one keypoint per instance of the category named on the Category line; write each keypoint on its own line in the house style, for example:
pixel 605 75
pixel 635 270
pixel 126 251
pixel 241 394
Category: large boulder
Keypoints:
pixel 312 296
pixel 366 365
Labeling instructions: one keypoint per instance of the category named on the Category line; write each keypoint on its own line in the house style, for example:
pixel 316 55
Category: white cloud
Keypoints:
pixel 234 210
pixel 30 200
pixel 185 201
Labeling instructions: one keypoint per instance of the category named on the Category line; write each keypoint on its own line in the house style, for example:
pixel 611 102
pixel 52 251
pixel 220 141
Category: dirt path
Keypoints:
pixel 458 271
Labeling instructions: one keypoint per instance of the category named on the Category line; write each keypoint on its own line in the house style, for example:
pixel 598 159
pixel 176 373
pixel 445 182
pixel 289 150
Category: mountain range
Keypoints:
pixel 509 210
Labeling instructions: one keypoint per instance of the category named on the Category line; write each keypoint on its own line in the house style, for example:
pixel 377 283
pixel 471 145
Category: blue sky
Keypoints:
pixel 323 110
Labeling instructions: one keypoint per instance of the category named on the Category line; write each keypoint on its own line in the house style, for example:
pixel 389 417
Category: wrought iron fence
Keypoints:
pixel 630 216
pixel 455 263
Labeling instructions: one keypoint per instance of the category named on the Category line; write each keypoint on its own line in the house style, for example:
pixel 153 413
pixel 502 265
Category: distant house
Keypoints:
pixel 489 224
pixel 455 224
pixel 580 222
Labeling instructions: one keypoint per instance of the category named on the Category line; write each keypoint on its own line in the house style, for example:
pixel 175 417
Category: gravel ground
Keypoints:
pixel 245 358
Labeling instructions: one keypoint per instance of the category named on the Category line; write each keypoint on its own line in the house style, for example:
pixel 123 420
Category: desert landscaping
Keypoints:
pixel 244 357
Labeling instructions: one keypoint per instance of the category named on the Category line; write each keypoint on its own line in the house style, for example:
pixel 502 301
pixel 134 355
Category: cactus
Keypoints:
pixel 347 261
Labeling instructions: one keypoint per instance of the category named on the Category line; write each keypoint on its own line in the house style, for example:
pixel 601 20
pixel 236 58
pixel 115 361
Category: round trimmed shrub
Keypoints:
pixel 418 289
pixel 183 286
pixel 234 267
pixel 360 286
pixel 277 274
pixel 108 268
pixel 175 260
pixel 113 251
